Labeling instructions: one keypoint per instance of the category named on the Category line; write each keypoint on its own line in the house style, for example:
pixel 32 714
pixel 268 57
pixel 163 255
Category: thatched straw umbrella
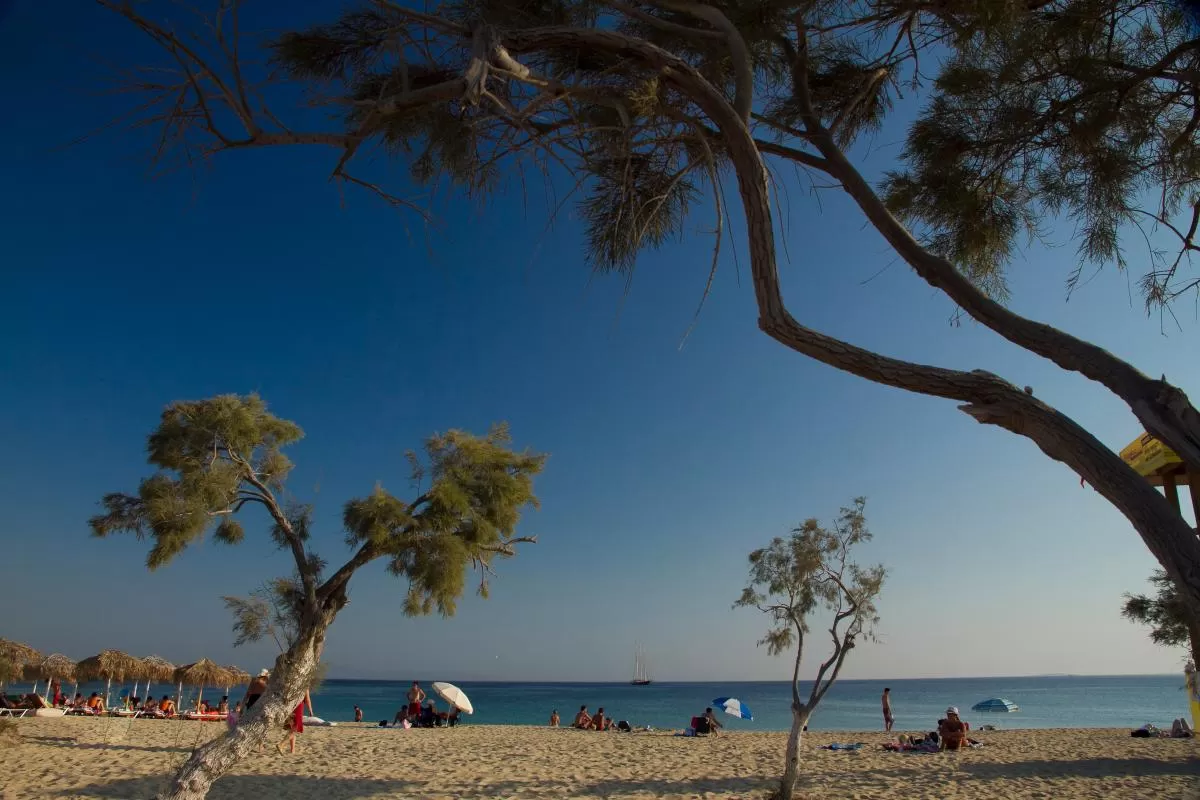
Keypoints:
pixel 202 673
pixel 157 669
pixel 54 667
pixel 21 656
pixel 236 676
pixel 107 664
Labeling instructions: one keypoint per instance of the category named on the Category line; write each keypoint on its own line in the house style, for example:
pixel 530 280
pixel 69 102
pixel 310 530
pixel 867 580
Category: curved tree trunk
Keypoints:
pixel 263 723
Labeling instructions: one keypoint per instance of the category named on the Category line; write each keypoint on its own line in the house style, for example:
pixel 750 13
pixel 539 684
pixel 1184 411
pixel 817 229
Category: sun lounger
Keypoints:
pixel 13 712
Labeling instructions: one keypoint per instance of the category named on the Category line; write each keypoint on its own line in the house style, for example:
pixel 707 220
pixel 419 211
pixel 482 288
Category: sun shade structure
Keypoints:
pixel 22 656
pixel 107 664
pixel 202 673
pixel 156 669
pixel 235 676
pixel 51 668
pixel 996 704
pixel 454 696
pixel 733 707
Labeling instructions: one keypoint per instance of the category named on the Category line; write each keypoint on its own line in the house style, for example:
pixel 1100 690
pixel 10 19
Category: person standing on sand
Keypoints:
pixel 887 710
pixel 297 725
pixel 255 689
pixel 357 714
pixel 554 718
pixel 415 696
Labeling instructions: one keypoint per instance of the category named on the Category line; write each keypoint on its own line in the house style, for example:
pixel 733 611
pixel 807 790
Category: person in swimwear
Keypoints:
pixel 554 718
pixel 255 689
pixel 416 696
pixel 166 707
pixel 952 731
pixel 297 725
pixel 582 719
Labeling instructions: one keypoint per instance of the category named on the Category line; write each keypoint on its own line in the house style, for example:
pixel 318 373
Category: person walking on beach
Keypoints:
pixel 415 696
pixel 887 710
pixel 297 725
pixel 357 714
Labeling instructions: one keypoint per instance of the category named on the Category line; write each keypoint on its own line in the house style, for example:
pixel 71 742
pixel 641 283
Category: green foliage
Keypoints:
pixel 792 578
pixel 273 610
pixel 477 487
pixel 217 455
pixel 1083 108
pixel 1165 612
pixel 214 456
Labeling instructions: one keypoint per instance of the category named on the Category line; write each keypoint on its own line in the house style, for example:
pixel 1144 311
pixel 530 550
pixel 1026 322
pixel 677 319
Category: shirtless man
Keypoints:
pixel 415 696
pixel 887 710
pixel 952 730
pixel 582 719
pixel 255 689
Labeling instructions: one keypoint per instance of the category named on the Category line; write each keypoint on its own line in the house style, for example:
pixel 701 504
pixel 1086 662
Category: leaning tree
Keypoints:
pixel 1033 109
pixel 219 457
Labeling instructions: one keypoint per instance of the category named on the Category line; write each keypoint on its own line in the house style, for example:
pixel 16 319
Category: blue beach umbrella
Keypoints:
pixel 733 707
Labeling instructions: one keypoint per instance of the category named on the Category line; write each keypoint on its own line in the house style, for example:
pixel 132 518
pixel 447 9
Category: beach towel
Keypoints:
pixel 842 746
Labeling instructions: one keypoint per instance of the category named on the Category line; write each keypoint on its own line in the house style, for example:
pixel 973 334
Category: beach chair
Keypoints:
pixel 16 713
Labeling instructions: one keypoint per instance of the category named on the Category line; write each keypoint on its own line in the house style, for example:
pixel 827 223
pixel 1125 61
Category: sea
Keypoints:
pixel 1068 701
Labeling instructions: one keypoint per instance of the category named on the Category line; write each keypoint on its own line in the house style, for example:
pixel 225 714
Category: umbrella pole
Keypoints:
pixel 107 691
pixel 179 698
pixel 199 698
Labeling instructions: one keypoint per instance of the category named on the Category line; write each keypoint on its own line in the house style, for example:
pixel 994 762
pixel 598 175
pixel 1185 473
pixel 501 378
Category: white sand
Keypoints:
pixel 86 758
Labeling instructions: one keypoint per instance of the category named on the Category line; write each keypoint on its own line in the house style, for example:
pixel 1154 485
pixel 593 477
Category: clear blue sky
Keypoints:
pixel 122 293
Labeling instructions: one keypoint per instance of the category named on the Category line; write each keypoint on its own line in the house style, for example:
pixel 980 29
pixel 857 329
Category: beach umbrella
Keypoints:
pixel 107 664
pixel 236 677
pixel 996 704
pixel 157 669
pixel 733 707
pixel 19 655
pixel 202 673
pixel 55 667
pixel 454 696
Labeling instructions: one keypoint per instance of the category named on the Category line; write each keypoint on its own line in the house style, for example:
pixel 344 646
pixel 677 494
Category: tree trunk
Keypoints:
pixel 791 764
pixel 268 719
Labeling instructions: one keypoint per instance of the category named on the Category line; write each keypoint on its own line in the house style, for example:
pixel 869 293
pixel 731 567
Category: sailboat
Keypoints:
pixel 641 677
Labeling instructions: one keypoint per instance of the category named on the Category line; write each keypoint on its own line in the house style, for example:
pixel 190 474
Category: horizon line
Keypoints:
pixel 784 680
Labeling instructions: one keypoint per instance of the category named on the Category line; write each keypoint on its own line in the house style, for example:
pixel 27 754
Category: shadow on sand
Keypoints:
pixel 257 786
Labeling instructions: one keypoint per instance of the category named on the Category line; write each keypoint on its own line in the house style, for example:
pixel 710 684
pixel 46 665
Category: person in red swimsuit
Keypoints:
pixel 297 725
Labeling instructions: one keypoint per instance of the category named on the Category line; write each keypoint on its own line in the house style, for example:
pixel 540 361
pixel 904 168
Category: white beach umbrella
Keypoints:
pixel 454 696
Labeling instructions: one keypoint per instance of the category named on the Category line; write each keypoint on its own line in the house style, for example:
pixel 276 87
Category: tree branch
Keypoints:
pixel 1163 409
pixel 743 97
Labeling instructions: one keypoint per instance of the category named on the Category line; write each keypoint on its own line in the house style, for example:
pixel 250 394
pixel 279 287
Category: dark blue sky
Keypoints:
pixel 122 293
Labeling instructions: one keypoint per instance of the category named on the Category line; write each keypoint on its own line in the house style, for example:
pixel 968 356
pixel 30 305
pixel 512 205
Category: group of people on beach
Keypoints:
pixel 420 711
pixel 584 721
pixel 951 733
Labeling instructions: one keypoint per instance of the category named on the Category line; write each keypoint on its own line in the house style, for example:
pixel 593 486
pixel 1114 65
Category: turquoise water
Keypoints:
pixel 1049 702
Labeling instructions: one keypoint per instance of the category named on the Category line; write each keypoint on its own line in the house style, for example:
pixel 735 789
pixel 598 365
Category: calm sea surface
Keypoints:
pixel 1076 702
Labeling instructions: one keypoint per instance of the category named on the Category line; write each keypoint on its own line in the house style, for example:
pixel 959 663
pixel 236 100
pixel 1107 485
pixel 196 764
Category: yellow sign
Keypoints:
pixel 1148 456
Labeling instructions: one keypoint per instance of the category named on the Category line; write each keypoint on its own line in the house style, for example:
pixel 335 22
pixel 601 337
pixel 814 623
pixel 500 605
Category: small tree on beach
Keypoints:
pixel 1165 613
pixel 215 457
pixel 793 578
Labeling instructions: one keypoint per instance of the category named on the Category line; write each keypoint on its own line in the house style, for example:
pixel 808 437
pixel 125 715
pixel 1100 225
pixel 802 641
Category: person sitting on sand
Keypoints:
pixel 599 722
pixel 583 719
pixel 452 717
pixel 429 715
pixel 952 731
pixel 554 718
pixel 166 706
pixel 713 725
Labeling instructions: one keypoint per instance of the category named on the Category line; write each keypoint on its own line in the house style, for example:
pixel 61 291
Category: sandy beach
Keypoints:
pixel 84 758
